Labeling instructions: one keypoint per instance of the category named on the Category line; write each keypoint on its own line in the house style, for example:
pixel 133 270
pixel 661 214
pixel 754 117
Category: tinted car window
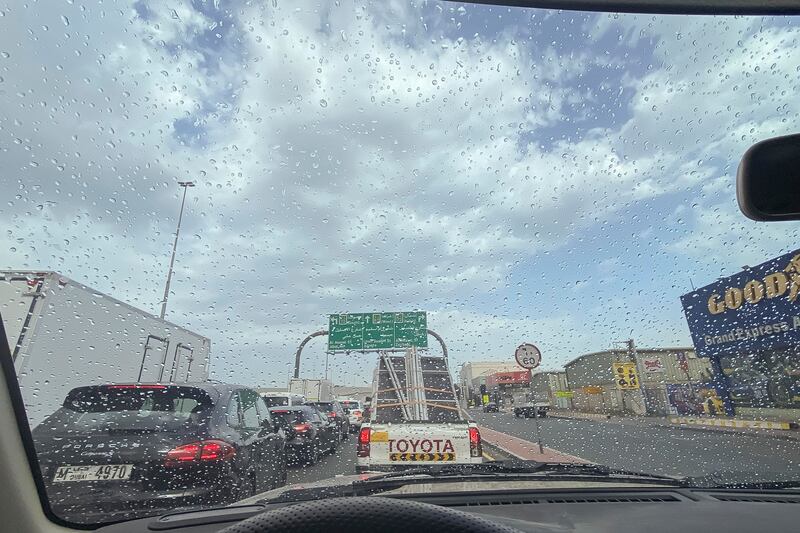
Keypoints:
pixel 263 411
pixel 291 416
pixel 104 408
pixel 234 411
pixel 247 399
pixel 349 406
pixel 275 401
pixel 326 407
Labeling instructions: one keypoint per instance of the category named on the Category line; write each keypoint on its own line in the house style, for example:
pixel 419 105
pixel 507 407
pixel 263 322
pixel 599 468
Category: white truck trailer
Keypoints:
pixel 313 390
pixel 62 335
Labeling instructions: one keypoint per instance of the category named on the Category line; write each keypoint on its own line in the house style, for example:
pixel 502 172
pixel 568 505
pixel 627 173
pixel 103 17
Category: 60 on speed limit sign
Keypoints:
pixel 528 356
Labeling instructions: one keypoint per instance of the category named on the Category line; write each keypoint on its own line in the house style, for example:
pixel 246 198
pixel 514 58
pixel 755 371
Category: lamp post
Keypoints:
pixel 185 185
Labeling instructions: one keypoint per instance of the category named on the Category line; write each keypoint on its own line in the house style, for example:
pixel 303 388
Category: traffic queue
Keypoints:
pixel 126 450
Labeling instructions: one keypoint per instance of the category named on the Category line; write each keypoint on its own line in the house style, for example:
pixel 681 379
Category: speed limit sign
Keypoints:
pixel 528 356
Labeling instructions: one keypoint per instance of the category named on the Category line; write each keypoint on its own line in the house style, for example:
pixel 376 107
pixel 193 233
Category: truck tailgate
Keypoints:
pixel 395 444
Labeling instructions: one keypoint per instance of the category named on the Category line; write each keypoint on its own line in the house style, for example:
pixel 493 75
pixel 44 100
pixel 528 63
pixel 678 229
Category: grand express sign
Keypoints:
pixel 754 310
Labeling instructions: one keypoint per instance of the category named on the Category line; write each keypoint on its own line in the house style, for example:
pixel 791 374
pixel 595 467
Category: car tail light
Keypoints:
pixel 302 428
pixel 475 443
pixel 332 414
pixel 206 450
pixel 363 442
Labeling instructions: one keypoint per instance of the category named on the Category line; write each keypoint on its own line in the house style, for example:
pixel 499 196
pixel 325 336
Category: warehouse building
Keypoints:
pixel 474 374
pixel 649 381
pixel 551 387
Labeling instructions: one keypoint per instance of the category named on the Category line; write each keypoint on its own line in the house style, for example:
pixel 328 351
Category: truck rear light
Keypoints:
pixel 206 450
pixel 363 442
pixel 302 428
pixel 475 443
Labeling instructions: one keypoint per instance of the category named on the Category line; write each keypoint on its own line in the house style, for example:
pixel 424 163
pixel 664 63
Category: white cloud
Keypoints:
pixel 354 157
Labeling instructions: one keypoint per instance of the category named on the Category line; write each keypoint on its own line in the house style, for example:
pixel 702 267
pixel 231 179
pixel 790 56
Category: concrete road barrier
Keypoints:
pixel 729 423
pixel 525 449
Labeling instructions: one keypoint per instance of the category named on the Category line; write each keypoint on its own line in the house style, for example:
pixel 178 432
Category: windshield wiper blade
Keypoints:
pixel 517 468
pixel 599 470
pixel 508 470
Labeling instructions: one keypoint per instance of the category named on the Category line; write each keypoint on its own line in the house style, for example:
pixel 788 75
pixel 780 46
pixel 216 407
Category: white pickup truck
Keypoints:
pixel 396 446
pixel 415 418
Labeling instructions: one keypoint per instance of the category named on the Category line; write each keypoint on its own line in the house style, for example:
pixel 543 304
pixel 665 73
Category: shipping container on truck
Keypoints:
pixel 63 335
pixel 314 390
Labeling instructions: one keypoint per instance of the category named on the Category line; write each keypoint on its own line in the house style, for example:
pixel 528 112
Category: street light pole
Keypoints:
pixel 185 185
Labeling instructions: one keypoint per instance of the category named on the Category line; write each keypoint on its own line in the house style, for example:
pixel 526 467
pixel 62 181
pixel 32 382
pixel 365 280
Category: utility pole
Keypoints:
pixel 185 185
pixel 634 358
pixel 640 371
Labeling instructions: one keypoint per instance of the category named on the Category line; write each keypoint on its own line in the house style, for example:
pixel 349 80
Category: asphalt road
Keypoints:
pixel 643 446
pixel 343 461
pixel 636 445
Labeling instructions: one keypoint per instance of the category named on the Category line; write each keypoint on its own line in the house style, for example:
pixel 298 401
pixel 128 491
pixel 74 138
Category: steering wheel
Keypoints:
pixel 371 514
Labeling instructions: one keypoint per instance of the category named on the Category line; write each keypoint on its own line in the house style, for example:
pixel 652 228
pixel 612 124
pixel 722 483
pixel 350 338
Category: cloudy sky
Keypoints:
pixel 522 175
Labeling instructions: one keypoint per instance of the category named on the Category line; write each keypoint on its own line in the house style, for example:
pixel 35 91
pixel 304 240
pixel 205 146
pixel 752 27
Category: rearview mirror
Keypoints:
pixel 768 180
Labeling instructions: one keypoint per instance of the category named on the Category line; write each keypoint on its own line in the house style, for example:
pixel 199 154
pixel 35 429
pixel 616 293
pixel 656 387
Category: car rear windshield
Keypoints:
pixel 293 416
pixel 276 401
pixel 131 408
pixel 325 406
pixel 348 406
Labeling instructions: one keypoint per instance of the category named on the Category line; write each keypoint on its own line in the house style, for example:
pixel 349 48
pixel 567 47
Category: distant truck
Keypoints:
pixel 313 390
pixel 63 335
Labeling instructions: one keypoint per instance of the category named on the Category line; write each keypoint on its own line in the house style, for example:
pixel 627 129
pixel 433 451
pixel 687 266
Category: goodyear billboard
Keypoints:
pixel 756 309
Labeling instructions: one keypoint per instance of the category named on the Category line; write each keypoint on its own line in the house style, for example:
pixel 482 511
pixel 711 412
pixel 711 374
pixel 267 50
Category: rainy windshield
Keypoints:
pixel 459 234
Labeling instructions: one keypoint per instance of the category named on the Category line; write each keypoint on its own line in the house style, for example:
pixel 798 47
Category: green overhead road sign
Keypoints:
pixel 377 331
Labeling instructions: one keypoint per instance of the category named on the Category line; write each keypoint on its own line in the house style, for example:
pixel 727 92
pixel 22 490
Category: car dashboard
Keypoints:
pixel 620 511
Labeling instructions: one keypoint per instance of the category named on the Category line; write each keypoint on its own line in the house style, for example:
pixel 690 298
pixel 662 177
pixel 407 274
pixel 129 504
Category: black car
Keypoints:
pixel 335 413
pixel 309 432
pixel 122 451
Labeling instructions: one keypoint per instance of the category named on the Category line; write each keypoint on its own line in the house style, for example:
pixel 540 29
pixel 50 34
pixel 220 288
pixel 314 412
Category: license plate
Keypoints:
pixel 422 457
pixel 93 473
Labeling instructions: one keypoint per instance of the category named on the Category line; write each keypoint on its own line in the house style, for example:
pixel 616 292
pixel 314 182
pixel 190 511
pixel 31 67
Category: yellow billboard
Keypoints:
pixel 626 375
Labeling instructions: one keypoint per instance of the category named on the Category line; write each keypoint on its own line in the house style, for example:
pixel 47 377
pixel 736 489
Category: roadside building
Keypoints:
pixel 473 374
pixel 643 381
pixel 552 387
pixel 748 327
pixel 503 387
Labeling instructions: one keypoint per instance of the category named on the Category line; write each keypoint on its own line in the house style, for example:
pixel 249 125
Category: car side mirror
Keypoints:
pixel 768 180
